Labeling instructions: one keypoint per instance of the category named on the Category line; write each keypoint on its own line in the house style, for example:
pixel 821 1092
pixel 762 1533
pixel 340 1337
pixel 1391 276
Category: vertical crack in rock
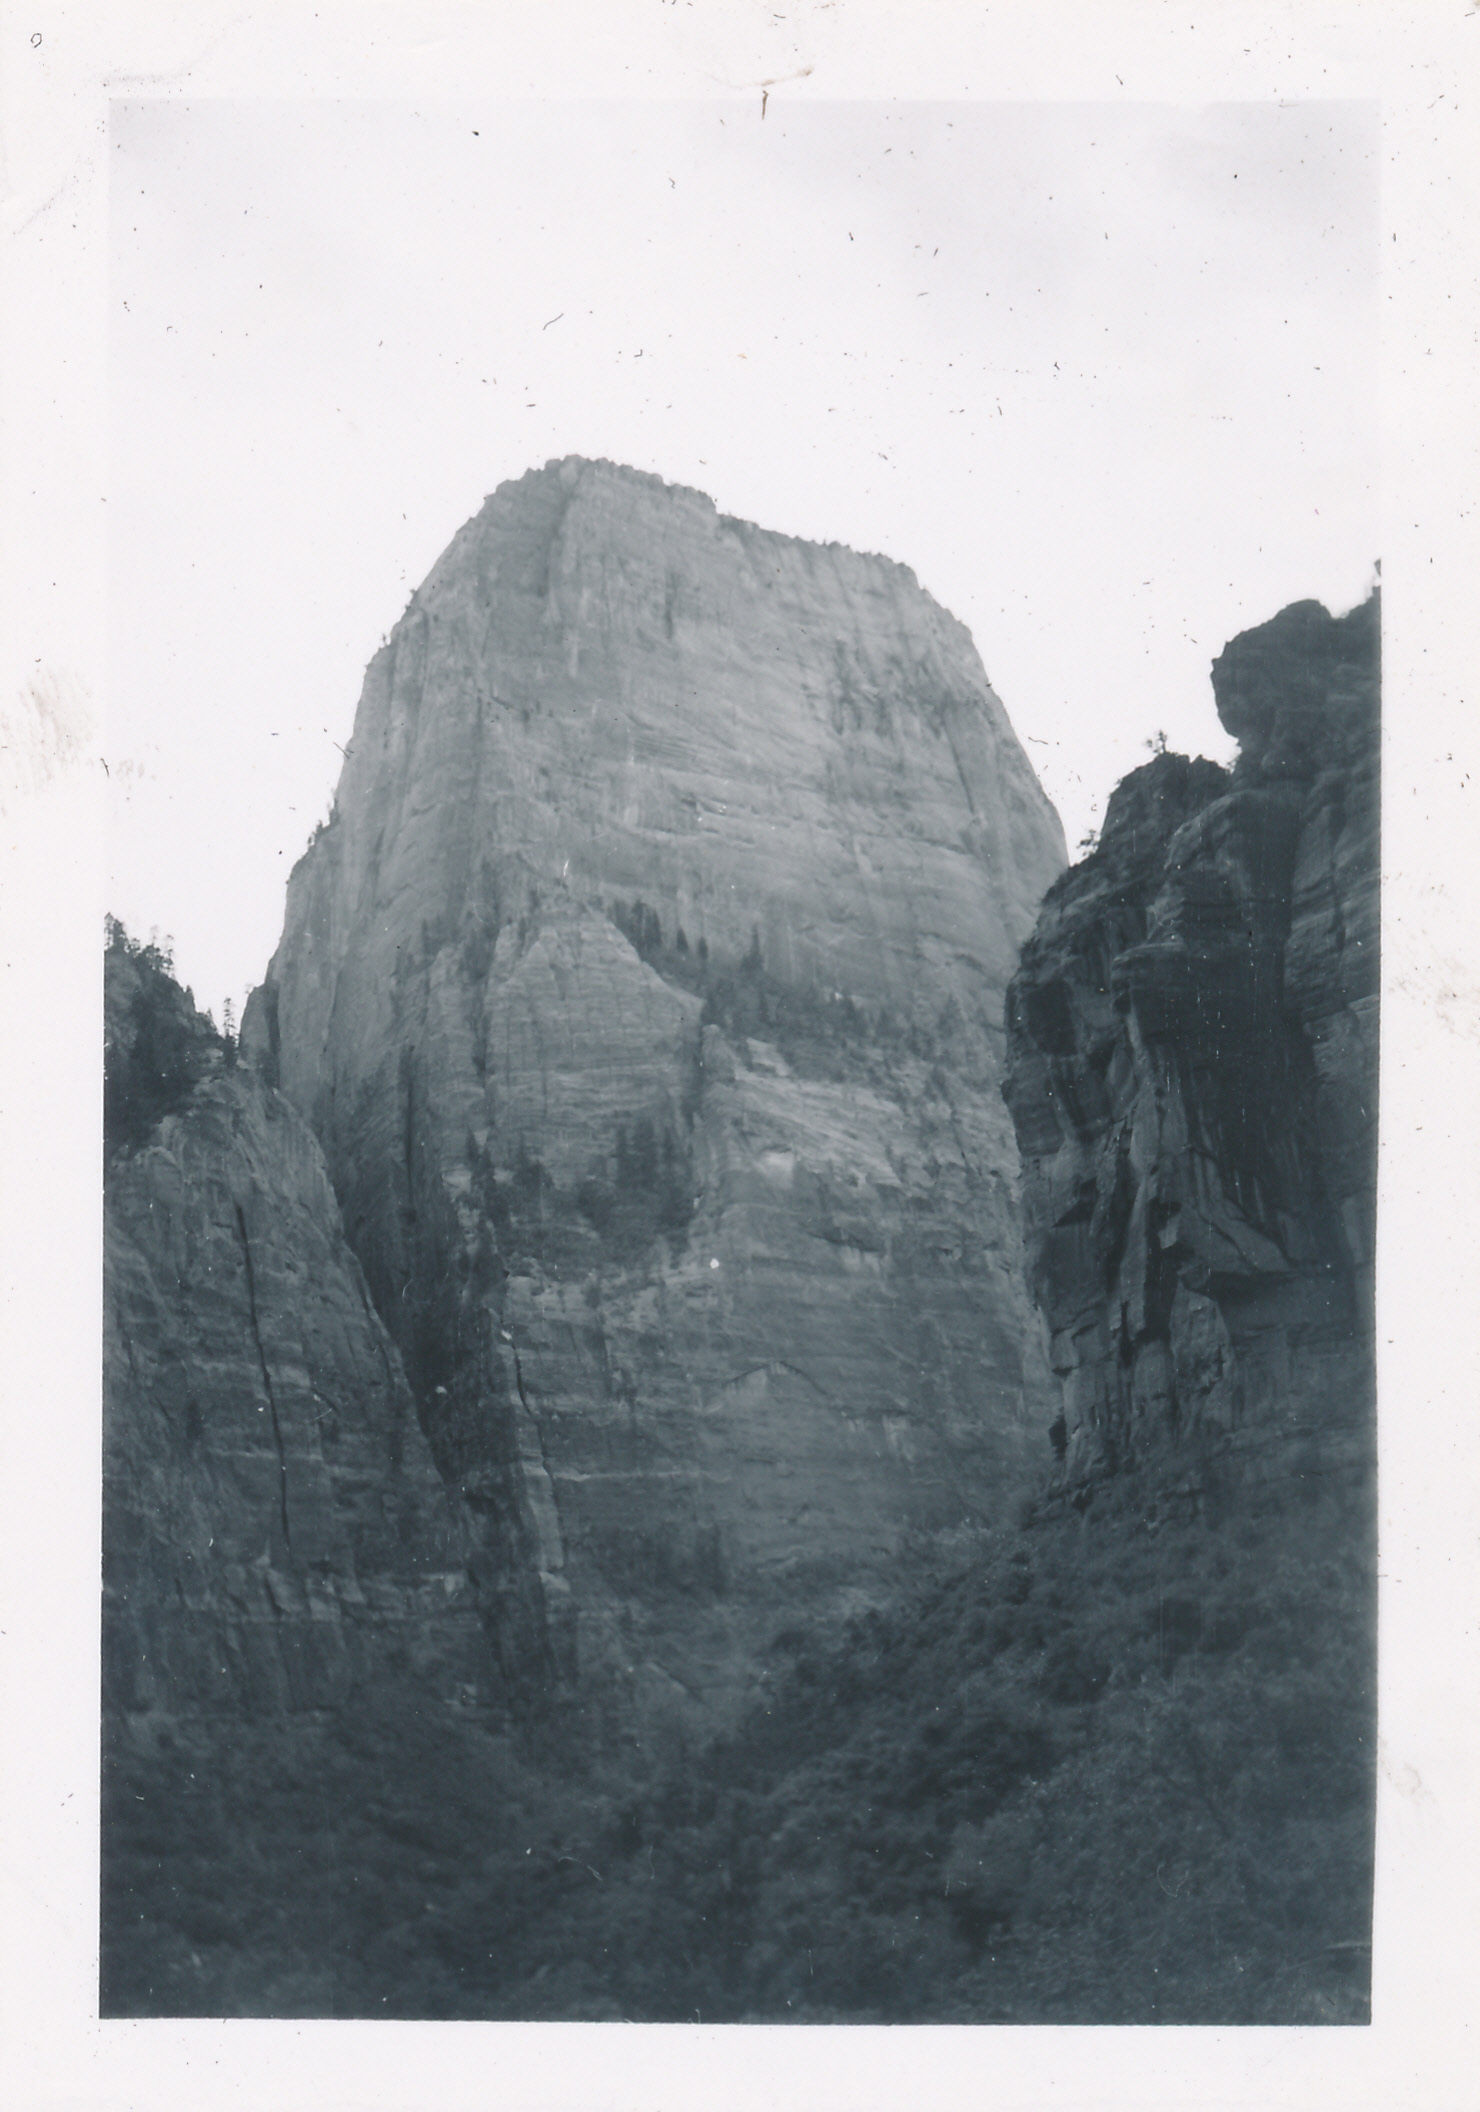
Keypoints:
pixel 395 1391
pixel 960 766
pixel 128 1341
pixel 408 1132
pixel 537 1425
pixel 277 1429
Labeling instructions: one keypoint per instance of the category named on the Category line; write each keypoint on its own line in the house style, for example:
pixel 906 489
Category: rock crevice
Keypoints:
pixel 266 1370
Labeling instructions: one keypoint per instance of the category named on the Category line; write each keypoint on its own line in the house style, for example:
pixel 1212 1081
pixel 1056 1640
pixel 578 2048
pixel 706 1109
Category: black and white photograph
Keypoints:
pixel 756 871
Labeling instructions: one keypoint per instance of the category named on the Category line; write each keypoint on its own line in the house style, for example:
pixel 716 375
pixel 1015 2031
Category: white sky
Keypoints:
pixel 1104 377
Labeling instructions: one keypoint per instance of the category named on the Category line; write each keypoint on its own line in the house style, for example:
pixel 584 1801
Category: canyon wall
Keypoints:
pixel 644 990
pixel 274 1527
pixel 1193 1079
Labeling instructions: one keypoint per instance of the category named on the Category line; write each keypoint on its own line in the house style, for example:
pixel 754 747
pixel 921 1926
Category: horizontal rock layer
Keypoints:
pixel 645 992
pixel 1193 1079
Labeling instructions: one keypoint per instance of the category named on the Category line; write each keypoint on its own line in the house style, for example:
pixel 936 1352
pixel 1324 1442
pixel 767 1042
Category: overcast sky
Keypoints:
pixel 1104 377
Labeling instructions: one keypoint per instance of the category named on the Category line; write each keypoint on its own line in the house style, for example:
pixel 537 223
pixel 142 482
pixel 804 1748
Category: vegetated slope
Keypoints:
pixel 1104 1770
pixel 644 990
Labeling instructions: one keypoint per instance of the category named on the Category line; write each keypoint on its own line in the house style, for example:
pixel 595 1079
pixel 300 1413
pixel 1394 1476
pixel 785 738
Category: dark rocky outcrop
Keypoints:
pixel 644 991
pixel 1193 1078
pixel 156 1045
pixel 273 1523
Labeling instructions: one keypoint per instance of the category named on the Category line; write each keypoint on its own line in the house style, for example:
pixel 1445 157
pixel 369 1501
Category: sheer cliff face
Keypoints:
pixel 273 1523
pixel 645 992
pixel 1193 1078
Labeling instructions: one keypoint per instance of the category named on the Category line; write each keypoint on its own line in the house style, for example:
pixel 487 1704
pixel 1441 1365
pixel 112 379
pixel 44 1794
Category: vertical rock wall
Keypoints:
pixel 645 991
pixel 1193 1080
pixel 273 1524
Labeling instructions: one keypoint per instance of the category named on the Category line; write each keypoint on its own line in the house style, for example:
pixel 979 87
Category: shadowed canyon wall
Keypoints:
pixel 1193 1078
pixel 645 991
pixel 273 1522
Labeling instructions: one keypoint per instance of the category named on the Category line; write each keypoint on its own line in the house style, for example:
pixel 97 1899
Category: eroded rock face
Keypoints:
pixel 1193 1079
pixel 645 992
pixel 273 1522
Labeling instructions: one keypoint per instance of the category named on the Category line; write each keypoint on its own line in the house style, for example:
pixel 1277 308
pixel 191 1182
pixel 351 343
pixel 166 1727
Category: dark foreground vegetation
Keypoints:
pixel 1102 1770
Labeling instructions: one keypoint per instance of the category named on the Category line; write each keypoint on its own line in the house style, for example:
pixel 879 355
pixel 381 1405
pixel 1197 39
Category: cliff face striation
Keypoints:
pixel 273 1522
pixel 644 991
pixel 1193 1079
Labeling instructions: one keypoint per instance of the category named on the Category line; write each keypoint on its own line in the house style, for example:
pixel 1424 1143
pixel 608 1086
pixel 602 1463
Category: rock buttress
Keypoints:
pixel 1193 1080
pixel 274 1529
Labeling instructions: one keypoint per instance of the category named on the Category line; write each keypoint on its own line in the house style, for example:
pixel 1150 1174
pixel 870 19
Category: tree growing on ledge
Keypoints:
pixel 156 1045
